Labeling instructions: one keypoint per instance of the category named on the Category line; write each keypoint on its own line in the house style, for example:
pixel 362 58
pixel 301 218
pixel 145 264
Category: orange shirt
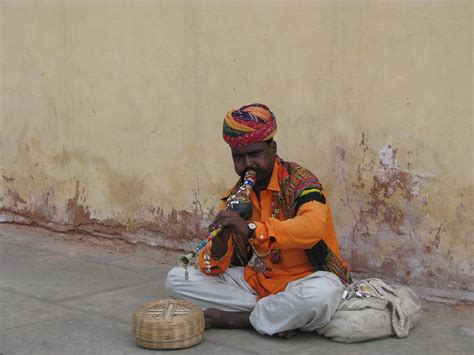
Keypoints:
pixel 312 223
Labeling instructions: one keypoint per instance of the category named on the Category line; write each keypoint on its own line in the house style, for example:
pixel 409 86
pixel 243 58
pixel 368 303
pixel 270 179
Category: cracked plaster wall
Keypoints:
pixel 111 116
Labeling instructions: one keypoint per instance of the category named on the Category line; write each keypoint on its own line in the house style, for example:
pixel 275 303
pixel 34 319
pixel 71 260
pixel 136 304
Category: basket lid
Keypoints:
pixel 168 322
pixel 166 311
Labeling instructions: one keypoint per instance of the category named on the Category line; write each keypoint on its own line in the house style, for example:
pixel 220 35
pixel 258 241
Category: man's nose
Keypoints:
pixel 248 162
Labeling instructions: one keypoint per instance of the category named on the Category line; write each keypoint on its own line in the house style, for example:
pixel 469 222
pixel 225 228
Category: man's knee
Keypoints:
pixel 321 293
pixel 176 283
pixel 173 281
pixel 328 296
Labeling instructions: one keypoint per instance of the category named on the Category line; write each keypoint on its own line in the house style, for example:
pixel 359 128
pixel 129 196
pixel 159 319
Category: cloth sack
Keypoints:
pixel 371 309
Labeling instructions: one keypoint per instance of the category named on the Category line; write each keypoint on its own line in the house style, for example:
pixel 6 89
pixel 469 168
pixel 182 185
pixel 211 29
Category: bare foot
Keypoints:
pixel 288 334
pixel 211 316
pixel 215 318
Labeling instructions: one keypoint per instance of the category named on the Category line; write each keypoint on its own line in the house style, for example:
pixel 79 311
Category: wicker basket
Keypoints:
pixel 168 324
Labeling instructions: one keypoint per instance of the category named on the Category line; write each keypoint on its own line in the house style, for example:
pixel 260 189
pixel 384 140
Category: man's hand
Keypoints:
pixel 219 244
pixel 231 221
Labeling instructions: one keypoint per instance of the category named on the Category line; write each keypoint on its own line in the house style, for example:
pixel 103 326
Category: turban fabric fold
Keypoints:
pixel 248 125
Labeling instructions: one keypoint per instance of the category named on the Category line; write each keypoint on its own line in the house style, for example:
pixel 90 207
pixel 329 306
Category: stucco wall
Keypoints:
pixel 111 120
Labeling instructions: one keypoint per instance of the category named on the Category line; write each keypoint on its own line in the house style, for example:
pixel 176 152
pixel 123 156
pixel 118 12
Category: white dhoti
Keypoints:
pixel 305 304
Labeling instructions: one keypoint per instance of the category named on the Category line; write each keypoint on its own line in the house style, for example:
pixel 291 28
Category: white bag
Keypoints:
pixel 372 310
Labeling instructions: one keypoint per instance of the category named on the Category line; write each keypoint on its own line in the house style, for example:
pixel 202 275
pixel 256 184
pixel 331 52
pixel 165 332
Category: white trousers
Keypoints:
pixel 305 304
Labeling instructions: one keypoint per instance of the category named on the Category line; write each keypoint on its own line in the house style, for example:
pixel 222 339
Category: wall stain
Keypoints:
pixel 177 230
pixel 400 221
pixel 437 236
pixel 174 230
pixel 8 179
pixel 15 197
pixel 390 185
pixel 78 214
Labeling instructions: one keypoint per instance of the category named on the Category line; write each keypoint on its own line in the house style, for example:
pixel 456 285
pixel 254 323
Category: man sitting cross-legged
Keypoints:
pixel 261 273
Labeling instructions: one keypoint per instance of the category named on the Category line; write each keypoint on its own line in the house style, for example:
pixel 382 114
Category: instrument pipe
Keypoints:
pixel 185 260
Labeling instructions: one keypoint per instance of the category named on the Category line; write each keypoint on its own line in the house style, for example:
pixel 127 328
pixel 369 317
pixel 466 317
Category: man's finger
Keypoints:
pixel 224 222
pixel 227 213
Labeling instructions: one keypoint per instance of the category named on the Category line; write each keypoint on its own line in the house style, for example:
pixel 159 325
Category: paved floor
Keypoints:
pixel 75 294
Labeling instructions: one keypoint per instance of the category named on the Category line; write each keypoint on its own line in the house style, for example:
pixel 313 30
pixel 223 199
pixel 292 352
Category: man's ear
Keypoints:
pixel 273 146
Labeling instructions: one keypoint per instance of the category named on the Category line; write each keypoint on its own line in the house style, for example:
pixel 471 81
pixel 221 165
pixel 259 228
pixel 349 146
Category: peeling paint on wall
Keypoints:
pixel 394 230
pixel 178 230
pixel 148 223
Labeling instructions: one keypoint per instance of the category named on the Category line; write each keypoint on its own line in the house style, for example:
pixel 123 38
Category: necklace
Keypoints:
pixel 257 258
pixel 257 253
pixel 258 264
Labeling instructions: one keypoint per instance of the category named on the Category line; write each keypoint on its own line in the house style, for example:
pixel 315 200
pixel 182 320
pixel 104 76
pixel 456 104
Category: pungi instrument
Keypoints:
pixel 238 202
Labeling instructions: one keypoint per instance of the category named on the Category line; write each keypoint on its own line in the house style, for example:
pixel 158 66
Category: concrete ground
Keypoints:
pixel 75 294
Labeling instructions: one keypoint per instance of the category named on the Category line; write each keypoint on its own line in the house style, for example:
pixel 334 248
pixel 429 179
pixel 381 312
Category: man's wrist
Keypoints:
pixel 252 227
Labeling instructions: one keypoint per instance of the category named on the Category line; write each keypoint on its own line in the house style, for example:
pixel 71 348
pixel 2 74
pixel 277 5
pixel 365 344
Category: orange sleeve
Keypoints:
pixel 301 232
pixel 217 266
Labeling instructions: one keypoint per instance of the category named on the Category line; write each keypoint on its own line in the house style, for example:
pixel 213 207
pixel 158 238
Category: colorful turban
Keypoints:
pixel 249 124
